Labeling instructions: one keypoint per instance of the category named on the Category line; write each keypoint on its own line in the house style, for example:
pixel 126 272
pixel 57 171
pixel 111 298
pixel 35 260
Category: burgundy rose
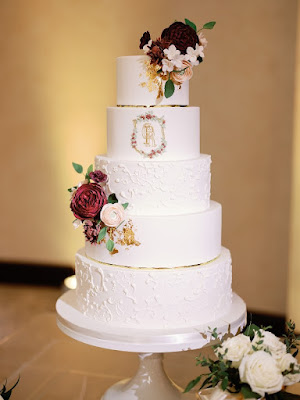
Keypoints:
pixel 88 201
pixel 181 35
pixel 91 230
pixel 144 39
pixel 98 176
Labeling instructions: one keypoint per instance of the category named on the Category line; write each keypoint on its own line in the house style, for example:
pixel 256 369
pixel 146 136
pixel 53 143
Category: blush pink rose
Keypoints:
pixel 112 214
pixel 88 201
pixel 179 78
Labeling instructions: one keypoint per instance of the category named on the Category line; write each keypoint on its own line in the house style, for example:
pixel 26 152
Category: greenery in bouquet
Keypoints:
pixel 173 55
pixel 254 364
pixel 6 393
pixel 99 212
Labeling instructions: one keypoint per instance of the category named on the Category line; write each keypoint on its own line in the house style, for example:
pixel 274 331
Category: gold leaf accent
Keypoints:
pixel 154 82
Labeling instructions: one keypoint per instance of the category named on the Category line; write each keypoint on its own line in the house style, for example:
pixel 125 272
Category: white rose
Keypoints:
pixel 235 348
pixel 1 398
pixel 112 214
pixel 270 342
pixel 284 363
pixel 261 372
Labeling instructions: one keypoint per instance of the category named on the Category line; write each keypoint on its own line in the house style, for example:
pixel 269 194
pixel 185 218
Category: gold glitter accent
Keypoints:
pixel 114 251
pixel 128 238
pixel 154 81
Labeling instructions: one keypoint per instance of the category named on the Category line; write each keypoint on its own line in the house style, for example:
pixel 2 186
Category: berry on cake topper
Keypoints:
pixel 98 211
pixel 173 55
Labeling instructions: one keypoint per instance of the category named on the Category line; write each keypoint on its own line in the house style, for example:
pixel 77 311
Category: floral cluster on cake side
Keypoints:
pixel 254 364
pixel 173 55
pixel 99 212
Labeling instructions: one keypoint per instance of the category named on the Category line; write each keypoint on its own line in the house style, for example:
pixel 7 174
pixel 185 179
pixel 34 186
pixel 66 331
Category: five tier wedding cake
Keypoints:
pixel 153 256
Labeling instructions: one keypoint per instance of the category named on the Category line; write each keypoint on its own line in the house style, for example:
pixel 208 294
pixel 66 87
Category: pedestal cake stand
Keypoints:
pixel 151 381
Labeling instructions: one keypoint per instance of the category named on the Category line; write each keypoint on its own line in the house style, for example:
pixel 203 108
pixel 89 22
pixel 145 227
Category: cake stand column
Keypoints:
pixel 150 382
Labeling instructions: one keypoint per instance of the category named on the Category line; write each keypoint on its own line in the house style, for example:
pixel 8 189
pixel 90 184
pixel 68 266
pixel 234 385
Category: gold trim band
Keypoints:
pixel 158 106
pixel 150 269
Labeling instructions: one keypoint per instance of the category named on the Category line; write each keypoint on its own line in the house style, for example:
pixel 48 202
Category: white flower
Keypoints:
pixel 167 65
pixel 261 372
pixel 235 348
pixel 270 343
pixel 76 224
pixel 147 46
pixel 174 55
pixel 202 40
pixel 172 52
pixel 284 364
pixel 1 398
pixel 112 214
pixel 193 54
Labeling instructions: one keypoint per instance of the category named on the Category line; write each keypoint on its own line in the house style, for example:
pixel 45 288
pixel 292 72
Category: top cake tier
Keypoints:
pixel 134 87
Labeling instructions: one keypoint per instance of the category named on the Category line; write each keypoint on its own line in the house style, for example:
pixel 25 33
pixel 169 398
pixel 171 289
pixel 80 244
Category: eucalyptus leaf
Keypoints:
pixel 102 234
pixel 192 384
pixel 110 245
pixel 209 25
pixel 191 24
pixel 78 168
pixel 125 205
pixel 112 198
pixel 169 88
pixel 89 170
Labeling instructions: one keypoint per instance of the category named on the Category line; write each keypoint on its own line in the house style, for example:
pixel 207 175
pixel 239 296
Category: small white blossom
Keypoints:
pixel 167 65
pixel 147 46
pixel 202 40
pixel 76 224
pixel 172 52
pixel 193 54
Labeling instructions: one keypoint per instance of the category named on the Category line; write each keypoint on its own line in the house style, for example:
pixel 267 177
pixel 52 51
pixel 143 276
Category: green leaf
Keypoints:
pixel 102 234
pixel 191 24
pixel 89 170
pixel 110 245
pixel 70 190
pixel 224 383
pixel 78 168
pixel 112 198
pixel 192 384
pixel 125 205
pixel 248 394
pixel 169 88
pixel 209 25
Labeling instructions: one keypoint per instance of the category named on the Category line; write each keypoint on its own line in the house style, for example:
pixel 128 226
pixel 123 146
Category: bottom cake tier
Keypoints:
pixel 154 298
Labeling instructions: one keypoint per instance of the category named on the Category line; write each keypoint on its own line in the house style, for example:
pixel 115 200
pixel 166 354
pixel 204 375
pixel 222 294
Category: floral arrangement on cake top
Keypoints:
pixel 254 364
pixel 100 213
pixel 174 54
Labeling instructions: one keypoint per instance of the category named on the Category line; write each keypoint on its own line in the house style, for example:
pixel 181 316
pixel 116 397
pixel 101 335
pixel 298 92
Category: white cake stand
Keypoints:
pixel 151 381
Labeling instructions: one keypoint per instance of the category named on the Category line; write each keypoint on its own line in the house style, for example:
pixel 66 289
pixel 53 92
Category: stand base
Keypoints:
pixel 151 382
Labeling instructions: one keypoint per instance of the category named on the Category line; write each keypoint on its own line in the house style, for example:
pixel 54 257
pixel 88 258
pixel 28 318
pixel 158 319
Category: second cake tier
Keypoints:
pixel 164 241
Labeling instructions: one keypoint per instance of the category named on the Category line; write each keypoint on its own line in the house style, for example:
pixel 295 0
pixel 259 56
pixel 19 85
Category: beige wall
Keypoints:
pixel 293 309
pixel 57 76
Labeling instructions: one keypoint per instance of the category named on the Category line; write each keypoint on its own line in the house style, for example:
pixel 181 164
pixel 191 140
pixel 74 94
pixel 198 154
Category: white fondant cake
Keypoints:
pixel 159 187
pixel 150 299
pixel 167 268
pixel 167 241
pixel 131 75
pixel 181 131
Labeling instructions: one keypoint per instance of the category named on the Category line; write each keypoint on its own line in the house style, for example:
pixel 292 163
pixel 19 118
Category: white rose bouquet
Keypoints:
pixel 254 364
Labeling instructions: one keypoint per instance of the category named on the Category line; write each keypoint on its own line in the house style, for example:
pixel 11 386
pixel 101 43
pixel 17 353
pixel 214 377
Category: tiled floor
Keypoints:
pixel 53 366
